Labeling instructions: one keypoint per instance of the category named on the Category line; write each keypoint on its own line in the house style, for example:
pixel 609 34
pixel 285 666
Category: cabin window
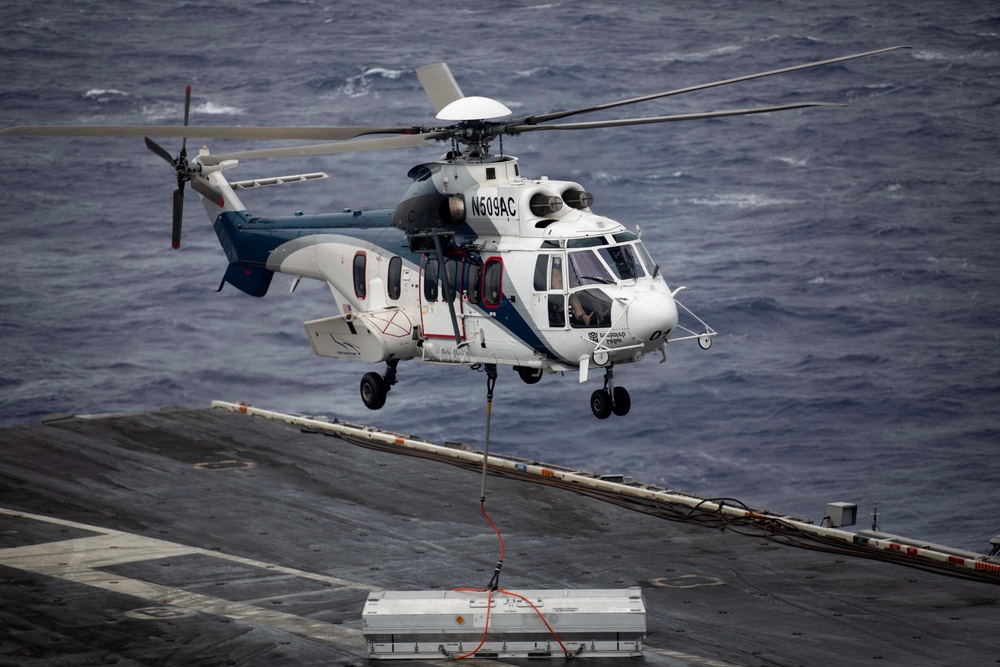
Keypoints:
pixel 493 282
pixel 395 283
pixel 451 276
pixel 432 273
pixel 589 309
pixel 473 275
pixel 585 268
pixel 360 284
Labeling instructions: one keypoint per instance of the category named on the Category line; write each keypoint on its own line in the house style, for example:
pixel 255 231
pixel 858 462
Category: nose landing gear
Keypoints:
pixel 611 398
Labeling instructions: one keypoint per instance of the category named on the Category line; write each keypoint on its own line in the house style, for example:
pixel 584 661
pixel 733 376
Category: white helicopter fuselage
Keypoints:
pixel 535 283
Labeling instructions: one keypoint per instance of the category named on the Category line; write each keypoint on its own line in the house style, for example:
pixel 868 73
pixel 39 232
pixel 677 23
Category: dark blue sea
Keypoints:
pixel 849 258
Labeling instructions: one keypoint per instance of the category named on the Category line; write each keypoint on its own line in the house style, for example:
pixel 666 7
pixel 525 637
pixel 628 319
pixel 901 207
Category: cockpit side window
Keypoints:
pixel 589 309
pixel 540 283
pixel 646 259
pixel 556 281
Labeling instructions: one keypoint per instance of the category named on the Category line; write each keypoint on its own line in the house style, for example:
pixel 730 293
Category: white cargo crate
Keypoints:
pixel 424 624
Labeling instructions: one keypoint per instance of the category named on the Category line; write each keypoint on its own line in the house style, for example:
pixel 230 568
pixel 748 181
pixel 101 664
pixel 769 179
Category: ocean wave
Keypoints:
pixel 794 161
pixel 104 94
pixel 742 200
pixel 682 56
pixel 362 84
pixel 213 109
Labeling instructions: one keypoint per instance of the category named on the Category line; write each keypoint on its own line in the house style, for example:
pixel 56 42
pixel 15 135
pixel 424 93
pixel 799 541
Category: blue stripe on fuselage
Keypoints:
pixel 250 240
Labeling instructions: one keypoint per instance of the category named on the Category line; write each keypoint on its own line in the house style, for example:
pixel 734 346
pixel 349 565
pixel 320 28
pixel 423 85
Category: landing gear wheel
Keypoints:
pixel 529 375
pixel 600 404
pixel 704 341
pixel 623 402
pixel 373 391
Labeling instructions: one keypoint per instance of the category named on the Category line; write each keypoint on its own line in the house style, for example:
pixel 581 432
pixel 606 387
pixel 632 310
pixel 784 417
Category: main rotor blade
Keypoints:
pixel 594 124
pixel 328 133
pixel 326 149
pixel 439 84
pixel 531 120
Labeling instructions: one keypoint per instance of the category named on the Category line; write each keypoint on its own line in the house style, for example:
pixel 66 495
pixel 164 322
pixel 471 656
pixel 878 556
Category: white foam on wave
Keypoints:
pixel 794 161
pixel 161 110
pixel 979 55
pixel 104 94
pixel 700 55
pixel 213 109
pixel 742 200
pixel 531 72
pixel 361 84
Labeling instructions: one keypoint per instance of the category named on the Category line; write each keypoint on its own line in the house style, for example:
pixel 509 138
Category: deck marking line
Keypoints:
pixel 708 662
pixel 78 560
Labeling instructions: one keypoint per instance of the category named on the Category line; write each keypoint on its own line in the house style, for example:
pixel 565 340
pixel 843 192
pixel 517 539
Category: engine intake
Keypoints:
pixel 542 204
pixel 578 199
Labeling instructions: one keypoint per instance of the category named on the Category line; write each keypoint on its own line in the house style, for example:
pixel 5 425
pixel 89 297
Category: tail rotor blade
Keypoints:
pixel 158 149
pixel 175 237
pixel 187 115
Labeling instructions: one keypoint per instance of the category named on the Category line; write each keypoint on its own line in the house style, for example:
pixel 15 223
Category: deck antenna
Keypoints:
pixel 875 516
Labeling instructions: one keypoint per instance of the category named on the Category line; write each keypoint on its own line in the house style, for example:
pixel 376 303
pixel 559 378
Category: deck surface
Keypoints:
pixel 205 537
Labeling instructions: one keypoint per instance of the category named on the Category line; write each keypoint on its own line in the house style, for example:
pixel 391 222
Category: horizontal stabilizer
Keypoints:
pixel 277 180
pixel 373 336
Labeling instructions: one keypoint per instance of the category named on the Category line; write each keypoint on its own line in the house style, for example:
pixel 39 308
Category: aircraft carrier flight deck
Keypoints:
pixel 213 537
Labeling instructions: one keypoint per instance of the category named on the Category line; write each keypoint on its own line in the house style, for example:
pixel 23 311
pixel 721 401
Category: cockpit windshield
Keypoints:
pixel 623 262
pixel 604 266
pixel 586 268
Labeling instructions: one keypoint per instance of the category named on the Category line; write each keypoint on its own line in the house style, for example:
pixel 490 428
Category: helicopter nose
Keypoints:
pixel 652 318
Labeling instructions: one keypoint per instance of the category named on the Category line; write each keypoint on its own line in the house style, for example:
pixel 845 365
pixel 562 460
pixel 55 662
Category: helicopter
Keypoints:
pixel 477 266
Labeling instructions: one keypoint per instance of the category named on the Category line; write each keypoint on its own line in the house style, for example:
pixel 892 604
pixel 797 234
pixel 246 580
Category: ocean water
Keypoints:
pixel 848 257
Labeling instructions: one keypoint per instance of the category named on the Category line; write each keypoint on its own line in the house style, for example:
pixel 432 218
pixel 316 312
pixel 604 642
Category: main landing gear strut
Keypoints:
pixel 374 387
pixel 610 399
